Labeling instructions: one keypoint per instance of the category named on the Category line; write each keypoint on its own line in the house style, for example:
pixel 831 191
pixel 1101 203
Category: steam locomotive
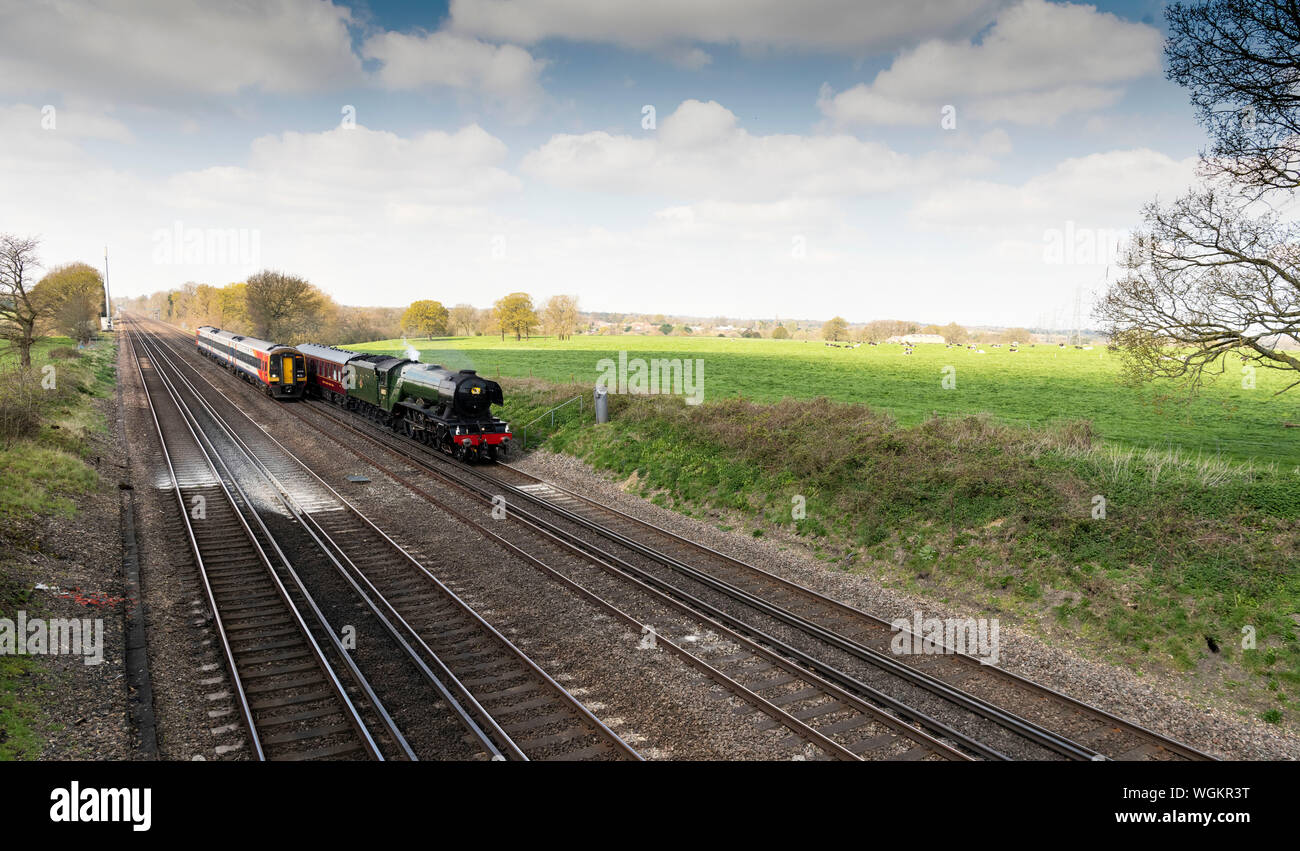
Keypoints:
pixel 427 402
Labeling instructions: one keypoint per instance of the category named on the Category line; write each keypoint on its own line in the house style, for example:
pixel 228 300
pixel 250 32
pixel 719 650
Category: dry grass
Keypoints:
pixel 22 402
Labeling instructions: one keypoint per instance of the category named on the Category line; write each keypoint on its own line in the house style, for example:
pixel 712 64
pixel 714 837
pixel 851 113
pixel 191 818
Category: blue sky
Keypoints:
pixel 798 164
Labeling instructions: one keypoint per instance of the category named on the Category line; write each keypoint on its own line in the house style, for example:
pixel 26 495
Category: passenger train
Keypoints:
pixel 279 371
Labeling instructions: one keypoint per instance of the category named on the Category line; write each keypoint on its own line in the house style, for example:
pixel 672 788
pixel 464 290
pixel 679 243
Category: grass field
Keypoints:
pixel 1035 386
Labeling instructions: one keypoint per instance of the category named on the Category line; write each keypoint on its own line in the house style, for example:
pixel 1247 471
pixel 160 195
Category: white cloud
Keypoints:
pixel 708 222
pixel 699 152
pixel 354 175
pixel 1038 62
pixel 144 50
pixel 1103 190
pixel 850 26
pixel 709 218
pixel 141 52
pixel 346 208
pixel 412 61
pixel 690 58
pixel 64 122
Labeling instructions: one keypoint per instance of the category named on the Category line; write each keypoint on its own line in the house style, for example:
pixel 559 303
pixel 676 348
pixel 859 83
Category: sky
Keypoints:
pixel 973 161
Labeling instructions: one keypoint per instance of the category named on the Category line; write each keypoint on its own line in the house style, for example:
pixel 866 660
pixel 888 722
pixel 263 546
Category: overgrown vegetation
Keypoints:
pixel 45 416
pixel 18 738
pixel 1153 558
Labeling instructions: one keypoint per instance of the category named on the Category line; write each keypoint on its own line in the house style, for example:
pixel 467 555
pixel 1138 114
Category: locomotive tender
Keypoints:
pixel 280 371
pixel 426 402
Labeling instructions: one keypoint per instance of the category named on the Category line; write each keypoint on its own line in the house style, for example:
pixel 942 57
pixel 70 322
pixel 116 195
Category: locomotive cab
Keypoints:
pixel 286 373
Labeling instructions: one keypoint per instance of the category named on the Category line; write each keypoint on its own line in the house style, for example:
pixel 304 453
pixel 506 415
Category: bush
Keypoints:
pixel 21 401
pixel 64 353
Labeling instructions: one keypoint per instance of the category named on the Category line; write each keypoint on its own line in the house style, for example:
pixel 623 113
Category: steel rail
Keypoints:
pixel 795 725
pixel 832 677
pixel 559 691
pixel 474 729
pixel 874 621
pixel 346 704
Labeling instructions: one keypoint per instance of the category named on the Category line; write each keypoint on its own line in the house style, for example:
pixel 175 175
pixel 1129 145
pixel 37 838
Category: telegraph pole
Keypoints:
pixel 108 298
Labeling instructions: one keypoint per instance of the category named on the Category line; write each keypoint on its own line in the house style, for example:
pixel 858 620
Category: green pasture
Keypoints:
pixel 1035 386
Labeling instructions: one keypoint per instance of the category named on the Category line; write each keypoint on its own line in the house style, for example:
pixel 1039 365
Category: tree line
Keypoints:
pixel 289 309
pixel 68 299
pixel 272 305
pixel 511 314
pixel 837 329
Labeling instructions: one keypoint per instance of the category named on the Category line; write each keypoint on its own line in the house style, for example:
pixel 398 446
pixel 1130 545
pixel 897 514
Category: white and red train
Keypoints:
pixel 280 371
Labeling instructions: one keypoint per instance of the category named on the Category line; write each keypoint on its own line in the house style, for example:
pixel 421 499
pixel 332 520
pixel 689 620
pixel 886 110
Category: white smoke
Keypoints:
pixel 412 353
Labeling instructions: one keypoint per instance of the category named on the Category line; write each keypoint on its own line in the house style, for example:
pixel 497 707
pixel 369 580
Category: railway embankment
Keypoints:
pixel 62 593
pixel 1178 569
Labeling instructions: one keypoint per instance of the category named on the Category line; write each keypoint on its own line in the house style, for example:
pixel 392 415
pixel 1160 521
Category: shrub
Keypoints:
pixel 21 401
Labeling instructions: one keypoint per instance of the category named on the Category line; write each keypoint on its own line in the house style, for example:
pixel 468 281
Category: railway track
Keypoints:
pixel 979 709
pixel 1037 722
pixel 290 701
pixel 831 679
pixel 511 706
pixel 835 722
pixel 823 720
pixel 1096 732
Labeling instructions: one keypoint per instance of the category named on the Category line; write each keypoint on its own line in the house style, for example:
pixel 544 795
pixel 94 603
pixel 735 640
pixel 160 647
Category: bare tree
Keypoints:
pixel 1204 278
pixel 954 333
pixel 1240 61
pixel 561 315
pixel 283 307
pixel 19 310
pixel 879 330
pixel 463 319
